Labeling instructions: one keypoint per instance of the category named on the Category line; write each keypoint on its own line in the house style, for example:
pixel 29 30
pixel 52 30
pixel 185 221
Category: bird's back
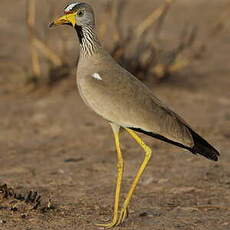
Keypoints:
pixel 121 98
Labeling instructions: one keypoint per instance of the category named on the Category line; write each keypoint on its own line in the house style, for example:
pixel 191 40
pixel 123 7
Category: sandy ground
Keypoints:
pixel 51 143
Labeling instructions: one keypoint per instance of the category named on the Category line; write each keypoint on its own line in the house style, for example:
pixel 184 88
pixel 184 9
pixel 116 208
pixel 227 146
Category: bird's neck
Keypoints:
pixel 89 43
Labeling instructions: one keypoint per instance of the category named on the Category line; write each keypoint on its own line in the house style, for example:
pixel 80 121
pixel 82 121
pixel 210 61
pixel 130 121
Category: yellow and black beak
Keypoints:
pixel 68 19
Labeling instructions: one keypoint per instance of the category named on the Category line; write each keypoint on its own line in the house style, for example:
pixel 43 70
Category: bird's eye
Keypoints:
pixel 80 13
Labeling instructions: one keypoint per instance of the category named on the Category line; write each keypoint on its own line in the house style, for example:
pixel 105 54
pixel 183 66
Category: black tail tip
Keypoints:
pixel 215 158
pixel 202 147
pixel 210 153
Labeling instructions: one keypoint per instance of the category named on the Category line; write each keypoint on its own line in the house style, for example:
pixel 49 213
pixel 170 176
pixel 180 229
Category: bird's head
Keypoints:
pixel 76 14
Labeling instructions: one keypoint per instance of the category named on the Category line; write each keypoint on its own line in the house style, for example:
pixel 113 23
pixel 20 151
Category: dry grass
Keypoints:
pixel 58 69
pixel 140 50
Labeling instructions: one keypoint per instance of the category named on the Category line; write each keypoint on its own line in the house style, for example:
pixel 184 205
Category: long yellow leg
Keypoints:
pixel 120 170
pixel 148 153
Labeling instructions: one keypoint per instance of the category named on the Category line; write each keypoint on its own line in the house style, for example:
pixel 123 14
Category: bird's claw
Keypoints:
pixel 123 215
pixel 116 220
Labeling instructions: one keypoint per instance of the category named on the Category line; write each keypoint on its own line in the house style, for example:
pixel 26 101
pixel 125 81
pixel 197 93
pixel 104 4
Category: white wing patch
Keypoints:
pixel 96 76
pixel 70 7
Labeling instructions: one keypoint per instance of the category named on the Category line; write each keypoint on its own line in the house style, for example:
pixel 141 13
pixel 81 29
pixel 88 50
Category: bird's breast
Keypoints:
pixel 95 92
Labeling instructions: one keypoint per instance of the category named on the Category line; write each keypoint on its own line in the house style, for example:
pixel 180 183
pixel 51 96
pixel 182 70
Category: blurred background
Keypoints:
pixel 51 143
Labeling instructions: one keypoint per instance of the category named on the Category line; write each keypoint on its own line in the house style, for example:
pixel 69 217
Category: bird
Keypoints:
pixel 125 102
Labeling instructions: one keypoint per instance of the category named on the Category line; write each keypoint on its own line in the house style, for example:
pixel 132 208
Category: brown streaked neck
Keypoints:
pixel 89 43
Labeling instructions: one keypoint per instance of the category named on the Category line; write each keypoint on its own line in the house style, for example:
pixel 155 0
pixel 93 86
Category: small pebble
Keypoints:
pixel 2 221
pixel 143 214
pixel 23 216
pixel 14 209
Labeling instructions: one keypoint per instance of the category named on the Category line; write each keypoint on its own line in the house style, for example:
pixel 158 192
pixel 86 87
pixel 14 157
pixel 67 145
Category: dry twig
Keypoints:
pixel 37 45
pixel 31 13
pixel 140 55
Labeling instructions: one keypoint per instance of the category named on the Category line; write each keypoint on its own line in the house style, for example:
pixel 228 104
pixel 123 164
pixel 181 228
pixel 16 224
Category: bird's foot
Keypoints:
pixel 123 215
pixel 116 220
pixel 107 225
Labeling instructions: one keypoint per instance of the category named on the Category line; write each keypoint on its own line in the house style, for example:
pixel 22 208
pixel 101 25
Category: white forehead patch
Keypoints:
pixel 70 7
pixel 96 76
